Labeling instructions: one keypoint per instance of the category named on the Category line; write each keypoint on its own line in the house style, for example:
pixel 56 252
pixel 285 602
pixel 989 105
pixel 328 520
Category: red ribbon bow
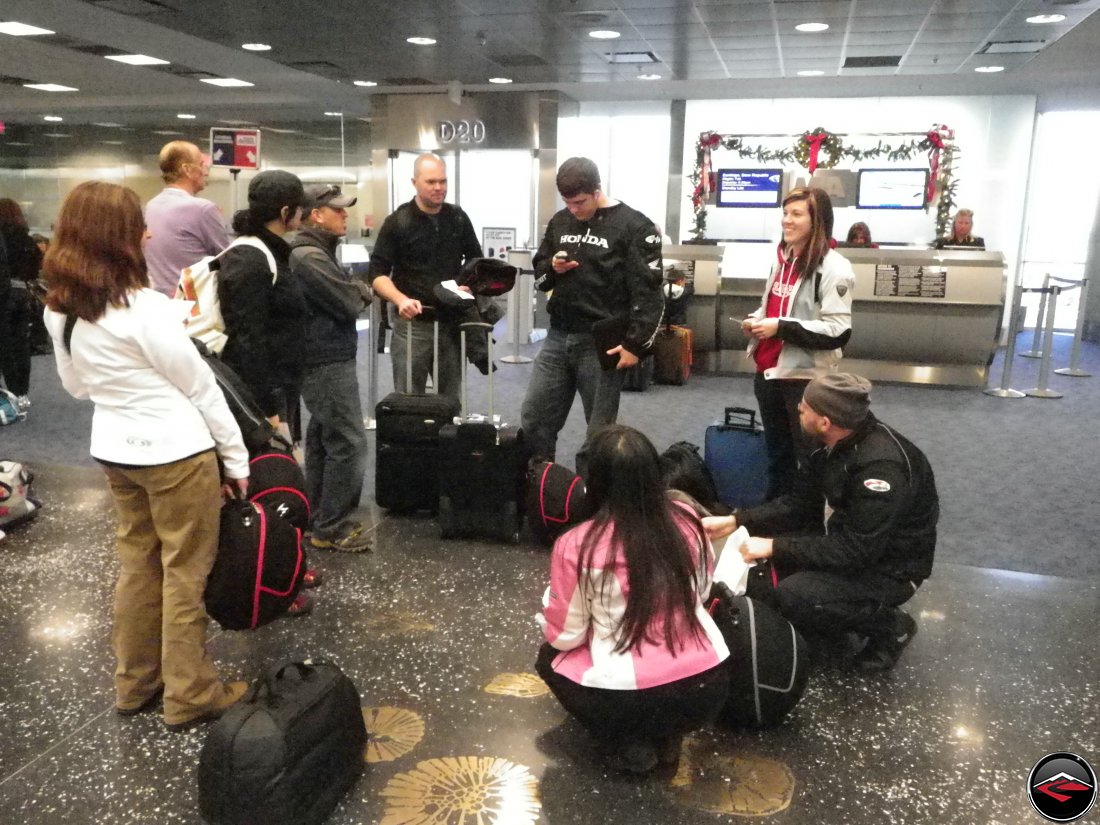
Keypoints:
pixel 935 138
pixel 815 140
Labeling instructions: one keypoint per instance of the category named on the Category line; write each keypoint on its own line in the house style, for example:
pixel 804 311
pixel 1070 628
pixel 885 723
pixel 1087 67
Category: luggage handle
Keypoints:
pixel 409 352
pixel 463 327
pixel 741 418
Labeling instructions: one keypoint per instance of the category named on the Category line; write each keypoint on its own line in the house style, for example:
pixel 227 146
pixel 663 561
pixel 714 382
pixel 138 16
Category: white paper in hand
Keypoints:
pixel 452 286
pixel 731 568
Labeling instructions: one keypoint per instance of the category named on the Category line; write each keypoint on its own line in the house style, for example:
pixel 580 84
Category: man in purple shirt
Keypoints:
pixel 183 229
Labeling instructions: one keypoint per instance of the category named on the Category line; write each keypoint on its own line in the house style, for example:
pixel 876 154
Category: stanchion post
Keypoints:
pixel 1014 315
pixel 1042 391
pixel 373 331
pixel 1075 354
pixel 1035 352
pixel 521 304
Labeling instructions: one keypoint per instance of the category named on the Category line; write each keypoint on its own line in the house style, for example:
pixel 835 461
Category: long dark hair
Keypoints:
pixel 645 532
pixel 95 258
pixel 821 227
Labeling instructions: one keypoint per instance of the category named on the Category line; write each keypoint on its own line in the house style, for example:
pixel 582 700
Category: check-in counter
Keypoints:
pixel 918 315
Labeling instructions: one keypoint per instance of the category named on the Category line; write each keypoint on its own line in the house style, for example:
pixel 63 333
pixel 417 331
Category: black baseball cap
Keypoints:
pixel 273 189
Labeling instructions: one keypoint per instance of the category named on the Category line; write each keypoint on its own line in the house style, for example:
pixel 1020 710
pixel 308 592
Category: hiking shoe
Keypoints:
pixel 351 539
pixel 231 692
pixel 883 651
pixel 23 403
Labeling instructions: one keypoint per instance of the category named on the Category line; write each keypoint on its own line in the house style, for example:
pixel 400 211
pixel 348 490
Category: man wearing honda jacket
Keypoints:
pixel 601 261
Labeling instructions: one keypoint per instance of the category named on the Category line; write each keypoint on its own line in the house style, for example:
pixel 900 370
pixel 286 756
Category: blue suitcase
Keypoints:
pixel 737 457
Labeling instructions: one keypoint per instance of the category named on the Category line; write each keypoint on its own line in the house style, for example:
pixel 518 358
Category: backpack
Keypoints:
pixel 199 284
pixel 17 504
pixel 256 430
pixel 276 481
pixel 682 468
pixel 9 408
pixel 555 500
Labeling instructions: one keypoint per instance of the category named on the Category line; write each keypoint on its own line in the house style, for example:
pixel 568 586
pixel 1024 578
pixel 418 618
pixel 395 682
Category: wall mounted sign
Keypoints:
pixel 235 148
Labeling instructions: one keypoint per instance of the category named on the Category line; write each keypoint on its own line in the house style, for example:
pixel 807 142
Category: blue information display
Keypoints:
pixel 749 187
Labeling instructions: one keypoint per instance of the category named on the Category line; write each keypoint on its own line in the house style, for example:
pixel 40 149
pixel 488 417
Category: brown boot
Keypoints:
pixel 231 692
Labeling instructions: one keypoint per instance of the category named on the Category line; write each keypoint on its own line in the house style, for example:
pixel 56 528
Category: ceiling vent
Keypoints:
pixel 631 57
pixel 406 81
pixel 874 62
pixel 1012 47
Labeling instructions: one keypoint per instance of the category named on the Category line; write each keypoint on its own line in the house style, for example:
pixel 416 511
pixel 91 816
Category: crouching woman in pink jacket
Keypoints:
pixel 631 651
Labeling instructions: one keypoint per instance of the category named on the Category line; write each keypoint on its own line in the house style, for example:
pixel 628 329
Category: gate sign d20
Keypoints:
pixel 236 148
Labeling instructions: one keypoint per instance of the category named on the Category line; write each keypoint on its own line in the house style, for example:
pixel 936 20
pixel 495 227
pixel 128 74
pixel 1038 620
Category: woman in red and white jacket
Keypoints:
pixel 631 652
pixel 796 334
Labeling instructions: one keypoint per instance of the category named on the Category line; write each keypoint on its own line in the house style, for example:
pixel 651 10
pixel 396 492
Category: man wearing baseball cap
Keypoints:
pixel 856 536
pixel 336 443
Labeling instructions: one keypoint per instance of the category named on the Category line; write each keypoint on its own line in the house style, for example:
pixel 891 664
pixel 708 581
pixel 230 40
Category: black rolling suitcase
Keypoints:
pixel 737 458
pixel 407 429
pixel 482 470
pixel 287 752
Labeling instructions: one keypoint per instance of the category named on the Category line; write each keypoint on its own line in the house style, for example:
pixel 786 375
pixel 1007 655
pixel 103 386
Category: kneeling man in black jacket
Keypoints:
pixel 856 537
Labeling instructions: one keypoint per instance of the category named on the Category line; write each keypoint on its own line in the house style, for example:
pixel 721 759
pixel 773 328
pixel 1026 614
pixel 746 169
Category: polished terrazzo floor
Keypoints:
pixel 440 640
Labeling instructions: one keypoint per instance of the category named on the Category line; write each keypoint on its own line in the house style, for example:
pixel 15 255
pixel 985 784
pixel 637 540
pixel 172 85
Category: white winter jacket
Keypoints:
pixel 156 400
pixel 819 323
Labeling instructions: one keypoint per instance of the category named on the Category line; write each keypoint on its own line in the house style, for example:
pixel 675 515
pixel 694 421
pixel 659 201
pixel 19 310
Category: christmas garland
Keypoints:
pixel 824 150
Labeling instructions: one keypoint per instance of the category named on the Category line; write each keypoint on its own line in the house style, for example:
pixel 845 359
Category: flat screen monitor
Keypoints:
pixel 749 187
pixel 892 188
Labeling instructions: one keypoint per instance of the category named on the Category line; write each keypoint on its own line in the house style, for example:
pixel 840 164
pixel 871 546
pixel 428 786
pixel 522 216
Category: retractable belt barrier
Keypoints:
pixel 520 302
pixel 1044 325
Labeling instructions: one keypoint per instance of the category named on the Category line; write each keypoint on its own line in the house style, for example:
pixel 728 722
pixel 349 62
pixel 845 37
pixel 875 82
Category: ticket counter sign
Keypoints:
pixel 235 148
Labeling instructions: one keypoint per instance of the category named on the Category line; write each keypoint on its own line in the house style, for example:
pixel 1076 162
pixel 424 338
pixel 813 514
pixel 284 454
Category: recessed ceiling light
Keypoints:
pixel 256 47
pixel 500 80
pixel 114 142
pixel 185 116
pixel 421 41
pixel 21 29
pixel 1046 18
pixel 50 87
pixel 989 69
pixel 53 118
pixel 364 83
pixel 137 59
pixel 225 82
pixel 811 73
pixel 605 34
pixel 58 134
pixel 334 114
pixel 166 132
pixel 812 27
pixel 109 125
pixel 649 77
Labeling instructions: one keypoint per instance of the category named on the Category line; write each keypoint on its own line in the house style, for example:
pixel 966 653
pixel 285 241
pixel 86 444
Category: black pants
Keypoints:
pixel 823 604
pixel 787 445
pixel 652 715
pixel 15 330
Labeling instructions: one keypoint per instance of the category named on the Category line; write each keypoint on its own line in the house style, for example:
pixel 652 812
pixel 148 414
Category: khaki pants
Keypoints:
pixel 167 540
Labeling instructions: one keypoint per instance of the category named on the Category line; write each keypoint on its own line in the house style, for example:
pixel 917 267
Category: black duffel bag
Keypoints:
pixel 287 751
pixel 259 567
pixel 769 664
pixel 256 430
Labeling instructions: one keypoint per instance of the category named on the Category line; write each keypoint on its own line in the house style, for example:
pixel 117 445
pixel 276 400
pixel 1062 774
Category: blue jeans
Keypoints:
pixel 449 380
pixel 567 365
pixel 336 444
